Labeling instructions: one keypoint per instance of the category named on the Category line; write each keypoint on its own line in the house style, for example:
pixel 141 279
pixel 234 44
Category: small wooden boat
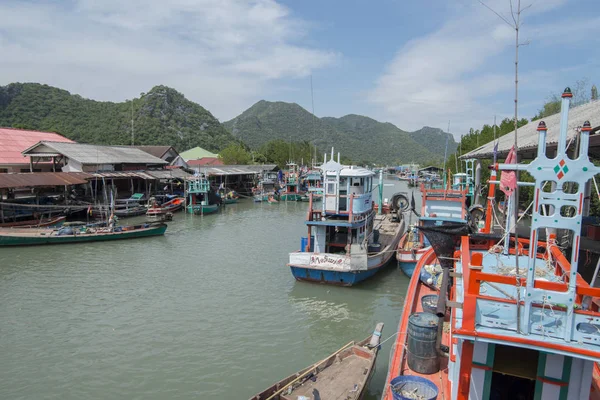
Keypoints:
pixel 35 223
pixel 168 207
pixel 33 236
pixel 342 375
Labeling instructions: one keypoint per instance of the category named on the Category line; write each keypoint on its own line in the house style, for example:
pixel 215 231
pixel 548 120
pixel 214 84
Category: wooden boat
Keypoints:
pixel 201 198
pixel 349 242
pixel 291 191
pixel 33 236
pixel 170 206
pixel 514 318
pixel 35 223
pixel 344 374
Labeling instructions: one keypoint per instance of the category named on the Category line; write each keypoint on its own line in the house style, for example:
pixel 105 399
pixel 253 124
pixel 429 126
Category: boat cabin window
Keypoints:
pixel 331 188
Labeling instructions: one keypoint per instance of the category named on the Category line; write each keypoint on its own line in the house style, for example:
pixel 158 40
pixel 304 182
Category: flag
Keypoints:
pixel 508 179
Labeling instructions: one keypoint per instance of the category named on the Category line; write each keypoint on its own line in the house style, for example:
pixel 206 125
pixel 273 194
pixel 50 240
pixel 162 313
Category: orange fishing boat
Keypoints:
pixel 513 318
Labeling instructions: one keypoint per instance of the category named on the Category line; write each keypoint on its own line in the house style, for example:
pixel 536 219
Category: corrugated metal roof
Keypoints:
pixel 121 175
pixel 14 141
pixel 156 151
pixel 36 179
pixel 528 136
pixel 168 174
pixel 90 154
pixel 205 161
pixel 223 170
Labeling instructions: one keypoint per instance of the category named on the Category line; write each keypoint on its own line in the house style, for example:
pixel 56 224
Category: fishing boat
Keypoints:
pixel 513 317
pixel 35 223
pixel 74 234
pixel 312 182
pixel 291 190
pixel 438 207
pixel 347 240
pixel 344 374
pixel 230 198
pixel 201 198
pixel 267 185
pixel 155 210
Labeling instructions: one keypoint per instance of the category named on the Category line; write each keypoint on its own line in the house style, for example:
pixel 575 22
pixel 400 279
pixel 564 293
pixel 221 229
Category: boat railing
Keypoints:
pixel 547 319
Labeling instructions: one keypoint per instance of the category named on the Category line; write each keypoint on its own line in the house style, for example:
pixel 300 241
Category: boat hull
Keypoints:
pixel 346 278
pixel 291 197
pixel 8 239
pixel 200 209
pixel 35 223
pixel 230 201
pixel 407 267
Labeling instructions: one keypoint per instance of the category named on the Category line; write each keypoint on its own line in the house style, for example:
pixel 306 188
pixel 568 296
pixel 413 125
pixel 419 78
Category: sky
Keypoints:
pixel 412 63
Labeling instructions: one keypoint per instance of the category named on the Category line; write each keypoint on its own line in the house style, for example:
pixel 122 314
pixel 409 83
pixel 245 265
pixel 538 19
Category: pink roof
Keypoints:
pixel 14 141
pixel 205 161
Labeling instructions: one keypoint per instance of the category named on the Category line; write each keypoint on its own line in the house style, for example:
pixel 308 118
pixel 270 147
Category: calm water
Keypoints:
pixel 209 311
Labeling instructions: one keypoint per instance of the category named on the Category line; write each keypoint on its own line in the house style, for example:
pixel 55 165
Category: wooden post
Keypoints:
pixel 30 164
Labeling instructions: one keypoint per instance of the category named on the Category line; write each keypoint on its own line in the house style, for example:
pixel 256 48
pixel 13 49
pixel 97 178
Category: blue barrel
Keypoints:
pixel 429 303
pixel 422 355
pixel 304 242
pixel 415 387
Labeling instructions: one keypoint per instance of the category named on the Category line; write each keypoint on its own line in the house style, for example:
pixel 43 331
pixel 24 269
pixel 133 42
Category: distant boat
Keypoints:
pixel 170 206
pixel 201 198
pixel 291 191
pixel 35 223
pixel 40 236
pixel 347 241
pixel 438 207
pixel 342 375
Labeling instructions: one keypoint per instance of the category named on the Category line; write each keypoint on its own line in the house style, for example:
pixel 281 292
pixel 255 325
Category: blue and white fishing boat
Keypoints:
pixel 438 207
pixel 347 241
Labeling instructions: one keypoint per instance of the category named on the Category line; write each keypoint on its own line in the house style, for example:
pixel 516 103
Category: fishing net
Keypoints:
pixel 444 239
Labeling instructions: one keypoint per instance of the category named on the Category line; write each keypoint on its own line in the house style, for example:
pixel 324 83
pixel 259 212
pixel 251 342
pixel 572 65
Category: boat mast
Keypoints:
pixel 446 153
pixel 516 25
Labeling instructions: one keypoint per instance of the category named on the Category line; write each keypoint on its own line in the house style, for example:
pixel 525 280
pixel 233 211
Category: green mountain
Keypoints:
pixel 359 138
pixel 162 116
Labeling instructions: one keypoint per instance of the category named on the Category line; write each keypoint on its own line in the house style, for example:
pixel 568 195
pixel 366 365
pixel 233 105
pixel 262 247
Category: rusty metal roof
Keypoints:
pixel 36 179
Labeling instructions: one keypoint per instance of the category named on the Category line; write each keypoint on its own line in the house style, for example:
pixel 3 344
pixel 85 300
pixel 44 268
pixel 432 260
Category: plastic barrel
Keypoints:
pixel 422 355
pixel 303 243
pixel 429 303
pixel 421 387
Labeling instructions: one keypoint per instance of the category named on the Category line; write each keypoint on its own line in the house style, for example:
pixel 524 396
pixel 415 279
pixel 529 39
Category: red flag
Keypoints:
pixel 508 179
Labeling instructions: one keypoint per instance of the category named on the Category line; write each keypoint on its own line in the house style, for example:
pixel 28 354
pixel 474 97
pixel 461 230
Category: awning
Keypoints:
pixel 37 179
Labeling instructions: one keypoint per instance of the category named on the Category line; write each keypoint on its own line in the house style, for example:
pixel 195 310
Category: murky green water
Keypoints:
pixel 209 311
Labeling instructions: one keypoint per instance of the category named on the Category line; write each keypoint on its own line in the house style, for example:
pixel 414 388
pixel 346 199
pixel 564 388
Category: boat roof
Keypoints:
pixel 351 171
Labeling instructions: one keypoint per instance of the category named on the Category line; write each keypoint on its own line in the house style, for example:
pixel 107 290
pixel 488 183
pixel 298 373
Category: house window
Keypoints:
pixel 3 170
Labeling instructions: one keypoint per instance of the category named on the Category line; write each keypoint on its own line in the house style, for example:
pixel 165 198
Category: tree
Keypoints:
pixel 594 92
pixel 235 154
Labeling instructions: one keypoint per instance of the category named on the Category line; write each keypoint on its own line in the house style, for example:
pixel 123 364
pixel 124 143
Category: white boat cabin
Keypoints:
pixel 347 188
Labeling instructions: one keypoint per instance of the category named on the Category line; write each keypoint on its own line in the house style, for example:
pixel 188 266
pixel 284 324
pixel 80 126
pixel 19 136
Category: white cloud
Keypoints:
pixel 442 76
pixel 221 53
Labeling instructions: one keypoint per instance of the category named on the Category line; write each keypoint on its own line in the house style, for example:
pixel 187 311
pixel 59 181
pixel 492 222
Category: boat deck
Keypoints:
pixel 398 363
pixel 336 381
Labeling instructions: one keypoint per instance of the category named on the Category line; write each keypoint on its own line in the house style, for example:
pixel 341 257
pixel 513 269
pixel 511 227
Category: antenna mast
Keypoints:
pixel 132 134
pixel 312 101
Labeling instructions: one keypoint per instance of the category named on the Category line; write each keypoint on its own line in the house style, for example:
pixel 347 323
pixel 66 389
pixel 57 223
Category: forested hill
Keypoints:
pixel 162 116
pixel 359 138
